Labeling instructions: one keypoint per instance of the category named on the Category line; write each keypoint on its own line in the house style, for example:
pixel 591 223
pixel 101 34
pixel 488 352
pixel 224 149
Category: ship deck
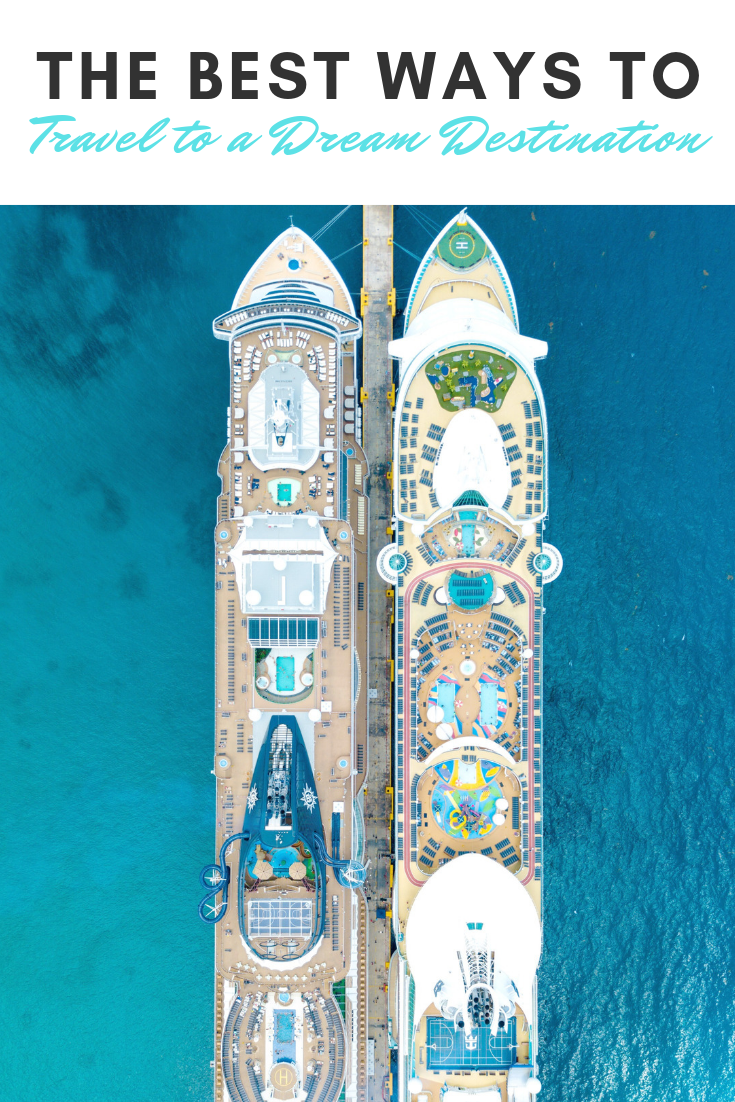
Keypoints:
pixel 259 678
pixel 468 678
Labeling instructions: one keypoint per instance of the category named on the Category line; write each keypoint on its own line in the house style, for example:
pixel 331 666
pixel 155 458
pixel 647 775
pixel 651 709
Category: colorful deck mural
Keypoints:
pixel 464 798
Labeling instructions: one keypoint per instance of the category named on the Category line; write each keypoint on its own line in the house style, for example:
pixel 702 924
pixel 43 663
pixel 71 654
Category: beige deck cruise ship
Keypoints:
pixel 467 566
pixel 285 891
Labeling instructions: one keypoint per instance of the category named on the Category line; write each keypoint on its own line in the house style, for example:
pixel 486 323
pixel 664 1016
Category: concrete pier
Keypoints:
pixel 378 308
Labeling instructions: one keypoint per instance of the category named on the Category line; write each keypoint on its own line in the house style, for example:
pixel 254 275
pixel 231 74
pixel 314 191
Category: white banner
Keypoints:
pixel 236 103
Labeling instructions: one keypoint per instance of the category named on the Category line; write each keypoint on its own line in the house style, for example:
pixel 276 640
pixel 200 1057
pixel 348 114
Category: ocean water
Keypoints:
pixel 112 416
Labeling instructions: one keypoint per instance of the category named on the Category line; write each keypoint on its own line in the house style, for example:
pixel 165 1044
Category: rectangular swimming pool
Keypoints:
pixel 285 678
pixel 445 694
pixel 284 1040
pixel 468 539
pixel 488 703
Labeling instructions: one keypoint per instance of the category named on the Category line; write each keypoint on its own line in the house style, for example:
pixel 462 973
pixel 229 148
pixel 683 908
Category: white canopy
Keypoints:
pixel 472 458
pixel 280 561
pixel 465 319
pixel 472 889
pixel 283 405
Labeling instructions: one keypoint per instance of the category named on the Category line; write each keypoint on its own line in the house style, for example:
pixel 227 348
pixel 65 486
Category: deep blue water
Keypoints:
pixel 112 418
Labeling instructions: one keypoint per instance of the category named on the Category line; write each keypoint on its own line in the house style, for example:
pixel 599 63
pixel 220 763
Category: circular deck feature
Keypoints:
pixel 284 1077
pixel 391 563
pixel 548 562
pixel 461 247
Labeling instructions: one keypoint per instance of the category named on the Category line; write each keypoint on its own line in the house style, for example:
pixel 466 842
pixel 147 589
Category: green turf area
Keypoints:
pixel 471 379
pixel 461 247
pixel 338 990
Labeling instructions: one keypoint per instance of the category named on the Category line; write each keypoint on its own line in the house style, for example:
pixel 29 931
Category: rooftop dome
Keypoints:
pixel 470 497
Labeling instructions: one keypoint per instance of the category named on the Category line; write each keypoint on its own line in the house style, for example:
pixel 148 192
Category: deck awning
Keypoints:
pixel 472 889
pixel 472 461
pixel 283 564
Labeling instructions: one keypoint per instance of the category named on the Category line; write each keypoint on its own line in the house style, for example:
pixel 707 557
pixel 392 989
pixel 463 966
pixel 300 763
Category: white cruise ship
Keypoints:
pixel 467 566
pixel 290 757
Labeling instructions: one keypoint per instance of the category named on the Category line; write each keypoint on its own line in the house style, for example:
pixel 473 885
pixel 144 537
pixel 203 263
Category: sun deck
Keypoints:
pixel 291 581
pixel 425 415
pixel 467 566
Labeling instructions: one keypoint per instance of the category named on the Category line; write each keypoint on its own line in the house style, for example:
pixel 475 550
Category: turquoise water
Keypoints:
pixel 488 703
pixel 445 694
pixel 284 1041
pixel 114 397
pixel 112 419
pixel 285 674
pixel 637 978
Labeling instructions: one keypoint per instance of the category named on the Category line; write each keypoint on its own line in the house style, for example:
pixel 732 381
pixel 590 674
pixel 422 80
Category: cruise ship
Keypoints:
pixel 285 891
pixel 467 566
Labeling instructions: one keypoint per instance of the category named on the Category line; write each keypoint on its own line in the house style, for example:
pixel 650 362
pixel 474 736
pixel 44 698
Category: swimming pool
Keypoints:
pixel 488 703
pixel 285 1027
pixel 280 859
pixel 445 694
pixel 284 1036
pixel 468 539
pixel 285 677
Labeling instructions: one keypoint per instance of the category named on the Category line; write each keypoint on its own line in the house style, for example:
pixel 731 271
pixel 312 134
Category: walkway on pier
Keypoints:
pixel 377 301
